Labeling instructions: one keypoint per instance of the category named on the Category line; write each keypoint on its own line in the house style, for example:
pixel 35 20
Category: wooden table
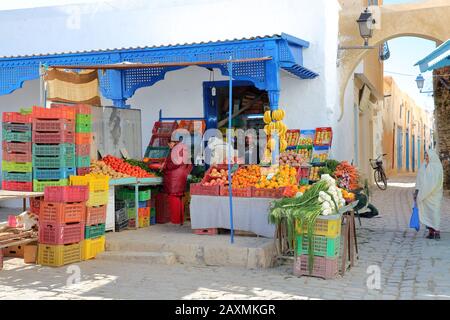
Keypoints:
pixel 350 239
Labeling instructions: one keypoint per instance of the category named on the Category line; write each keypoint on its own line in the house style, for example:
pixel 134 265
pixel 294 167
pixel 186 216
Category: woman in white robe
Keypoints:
pixel 429 193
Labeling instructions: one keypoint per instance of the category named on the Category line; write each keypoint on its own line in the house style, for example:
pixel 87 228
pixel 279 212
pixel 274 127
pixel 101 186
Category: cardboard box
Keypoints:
pixel 13 251
pixel 30 253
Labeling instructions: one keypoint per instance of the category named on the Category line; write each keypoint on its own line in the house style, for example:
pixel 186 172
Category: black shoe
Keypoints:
pixel 437 236
pixel 431 236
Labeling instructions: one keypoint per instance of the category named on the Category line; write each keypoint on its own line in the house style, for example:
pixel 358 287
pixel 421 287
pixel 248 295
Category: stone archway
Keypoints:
pixel 426 19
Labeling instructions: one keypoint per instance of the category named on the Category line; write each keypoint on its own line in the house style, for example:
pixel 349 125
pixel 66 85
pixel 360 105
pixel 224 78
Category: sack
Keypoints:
pixel 414 222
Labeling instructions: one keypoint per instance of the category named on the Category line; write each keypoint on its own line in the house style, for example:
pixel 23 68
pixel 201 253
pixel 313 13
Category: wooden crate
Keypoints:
pixel 30 253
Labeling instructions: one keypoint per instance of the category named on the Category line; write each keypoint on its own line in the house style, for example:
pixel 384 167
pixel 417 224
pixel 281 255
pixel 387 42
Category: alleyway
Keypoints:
pixel 412 267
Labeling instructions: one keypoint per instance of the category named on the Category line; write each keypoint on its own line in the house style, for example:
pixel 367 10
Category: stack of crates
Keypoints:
pixel 53 147
pixel 127 195
pixel 326 248
pixel 121 216
pixel 61 225
pixel 94 235
pixel 16 146
pixel 152 205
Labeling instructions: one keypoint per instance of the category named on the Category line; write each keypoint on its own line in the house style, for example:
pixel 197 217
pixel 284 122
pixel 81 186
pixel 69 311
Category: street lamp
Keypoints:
pixel 365 24
pixel 420 80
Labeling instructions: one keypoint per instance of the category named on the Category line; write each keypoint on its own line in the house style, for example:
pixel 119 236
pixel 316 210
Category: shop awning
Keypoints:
pixel 439 58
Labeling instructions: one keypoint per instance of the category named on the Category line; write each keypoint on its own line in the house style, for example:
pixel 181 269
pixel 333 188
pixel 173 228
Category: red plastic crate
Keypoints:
pixel 53 137
pixel 55 233
pixel 83 138
pixel 79 108
pixel 159 141
pixel 17 157
pixel 17 186
pixel 54 113
pixel 319 131
pixel 326 268
pixel 162 208
pixel 21 147
pixel 164 128
pixel 95 215
pixel 83 171
pixel 16 117
pixel 241 193
pixel 53 125
pixel 200 190
pixel 209 231
pixel 267 193
pixel 83 149
pixel 66 194
pixel 35 204
pixel 60 212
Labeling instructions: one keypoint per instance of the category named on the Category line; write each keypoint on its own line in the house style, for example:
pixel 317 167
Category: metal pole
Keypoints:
pixel 230 112
pixel 41 86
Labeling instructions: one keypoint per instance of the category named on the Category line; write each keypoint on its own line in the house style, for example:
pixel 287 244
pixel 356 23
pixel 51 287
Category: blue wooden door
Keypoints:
pixel 413 153
pixel 407 149
pixel 399 148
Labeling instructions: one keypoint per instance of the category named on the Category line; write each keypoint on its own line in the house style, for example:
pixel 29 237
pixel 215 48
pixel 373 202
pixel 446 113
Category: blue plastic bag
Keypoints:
pixel 414 222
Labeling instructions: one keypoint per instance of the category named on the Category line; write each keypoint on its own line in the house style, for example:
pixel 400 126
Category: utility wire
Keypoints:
pixel 414 75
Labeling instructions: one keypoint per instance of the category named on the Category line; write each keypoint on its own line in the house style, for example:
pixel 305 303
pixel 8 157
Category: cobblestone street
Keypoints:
pixel 412 267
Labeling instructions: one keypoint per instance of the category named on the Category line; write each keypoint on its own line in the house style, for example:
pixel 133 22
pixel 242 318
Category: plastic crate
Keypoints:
pixel 54 113
pixel 320 132
pixel 63 161
pixel 121 215
pixel 98 198
pixel 66 194
pixel 207 231
pixel 17 176
pixel 129 194
pixel 53 149
pixel 131 213
pixel 144 204
pixel 16 136
pixel 152 220
pixel 83 171
pixel 159 141
pixel 95 215
pixel 58 255
pixel 157 152
pixel 60 212
pixel 267 193
pixel 83 127
pixel 322 246
pixel 242 192
pixel 164 128
pixel 328 226
pixel 39 186
pixel 16 117
pixel 17 186
pixel 17 157
pixel 83 119
pixel 53 125
pixel 144 212
pixel 79 108
pixel 17 166
pixel 94 231
pixel 53 174
pixel 16 146
pixel 18 127
pixel 144 222
pixel 200 190
pixel 82 161
pixel 92 247
pixel 83 149
pixel 326 268
pixel 54 137
pixel 120 226
pixel 83 138
pixel 56 233
pixel 94 182
pixel 35 204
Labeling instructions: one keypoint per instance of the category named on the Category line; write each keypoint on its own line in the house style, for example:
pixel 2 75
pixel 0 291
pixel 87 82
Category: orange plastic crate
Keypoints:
pixel 54 113
pixel 83 138
pixel 95 215
pixel 60 212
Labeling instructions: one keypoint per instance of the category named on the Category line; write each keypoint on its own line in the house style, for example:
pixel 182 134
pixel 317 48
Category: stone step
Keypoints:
pixel 164 258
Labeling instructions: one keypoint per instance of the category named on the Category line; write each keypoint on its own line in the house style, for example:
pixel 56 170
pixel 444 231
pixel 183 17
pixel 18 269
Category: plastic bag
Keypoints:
pixel 414 222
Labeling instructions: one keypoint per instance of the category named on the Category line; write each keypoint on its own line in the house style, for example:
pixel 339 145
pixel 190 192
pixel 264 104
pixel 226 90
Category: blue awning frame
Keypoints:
pixel 438 58
pixel 286 53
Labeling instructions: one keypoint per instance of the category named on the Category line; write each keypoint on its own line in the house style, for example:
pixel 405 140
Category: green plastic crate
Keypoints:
pixel 322 246
pixel 128 194
pixel 60 161
pixel 152 212
pixel 82 161
pixel 83 119
pixel 39 186
pixel 94 231
pixel 16 136
pixel 53 149
pixel 83 127
pixel 17 166
pixel 131 213
pixel 17 176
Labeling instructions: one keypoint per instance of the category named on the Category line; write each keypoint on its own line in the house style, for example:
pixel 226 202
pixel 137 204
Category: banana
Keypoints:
pixel 267 117
pixel 283 145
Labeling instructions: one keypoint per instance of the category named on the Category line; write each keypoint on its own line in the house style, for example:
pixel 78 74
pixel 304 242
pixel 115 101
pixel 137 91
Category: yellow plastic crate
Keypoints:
pixel 328 226
pixel 98 198
pixel 96 182
pixel 58 255
pixel 92 247
pixel 144 222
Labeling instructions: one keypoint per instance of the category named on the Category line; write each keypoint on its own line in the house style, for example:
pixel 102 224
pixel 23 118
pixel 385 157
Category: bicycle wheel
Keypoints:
pixel 380 179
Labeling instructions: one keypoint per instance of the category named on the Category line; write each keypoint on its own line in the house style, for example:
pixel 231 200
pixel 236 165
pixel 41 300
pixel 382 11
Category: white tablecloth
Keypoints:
pixel 249 214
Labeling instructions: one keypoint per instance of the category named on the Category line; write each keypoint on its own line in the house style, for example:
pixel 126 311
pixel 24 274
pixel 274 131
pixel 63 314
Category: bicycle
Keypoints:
pixel 379 174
